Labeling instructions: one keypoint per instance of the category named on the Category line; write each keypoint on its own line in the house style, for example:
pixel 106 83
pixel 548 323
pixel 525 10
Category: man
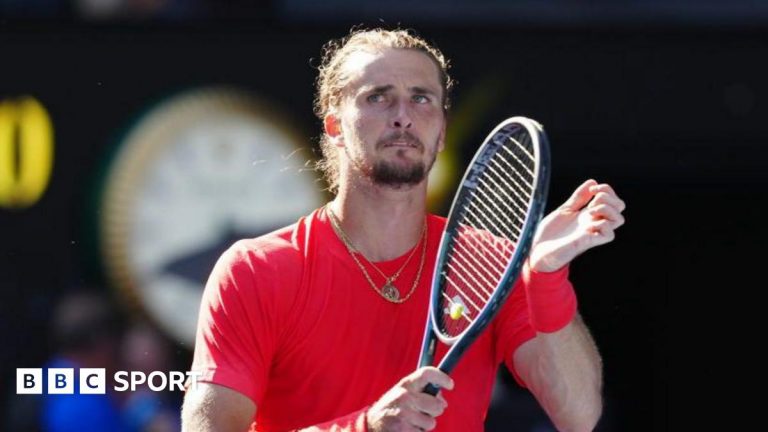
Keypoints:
pixel 319 325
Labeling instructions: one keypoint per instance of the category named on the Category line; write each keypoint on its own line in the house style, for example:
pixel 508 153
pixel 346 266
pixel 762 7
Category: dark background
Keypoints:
pixel 670 112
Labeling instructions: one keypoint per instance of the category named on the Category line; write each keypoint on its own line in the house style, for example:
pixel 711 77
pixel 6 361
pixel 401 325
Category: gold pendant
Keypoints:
pixel 390 292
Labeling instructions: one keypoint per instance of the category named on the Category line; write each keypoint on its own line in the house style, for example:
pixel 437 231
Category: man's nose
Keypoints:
pixel 401 118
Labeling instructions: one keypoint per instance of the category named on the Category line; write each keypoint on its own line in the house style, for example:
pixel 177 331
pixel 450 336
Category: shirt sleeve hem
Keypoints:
pixel 232 380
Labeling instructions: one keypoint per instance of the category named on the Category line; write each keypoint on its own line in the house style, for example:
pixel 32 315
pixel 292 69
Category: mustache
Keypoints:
pixel 399 136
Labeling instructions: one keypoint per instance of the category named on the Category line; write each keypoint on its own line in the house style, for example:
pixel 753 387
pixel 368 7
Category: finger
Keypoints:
pixel 580 196
pixel 604 211
pixel 602 187
pixel 419 420
pixel 604 194
pixel 605 198
pixel 426 375
pixel 601 232
pixel 428 404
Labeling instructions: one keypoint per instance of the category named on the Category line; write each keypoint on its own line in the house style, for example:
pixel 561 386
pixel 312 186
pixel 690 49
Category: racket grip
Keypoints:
pixel 431 389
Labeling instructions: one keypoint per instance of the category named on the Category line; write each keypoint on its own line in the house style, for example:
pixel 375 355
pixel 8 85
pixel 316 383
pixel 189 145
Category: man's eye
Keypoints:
pixel 420 99
pixel 376 97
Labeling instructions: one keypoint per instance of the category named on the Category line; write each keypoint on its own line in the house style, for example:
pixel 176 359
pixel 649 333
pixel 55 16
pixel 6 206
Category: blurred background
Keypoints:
pixel 139 138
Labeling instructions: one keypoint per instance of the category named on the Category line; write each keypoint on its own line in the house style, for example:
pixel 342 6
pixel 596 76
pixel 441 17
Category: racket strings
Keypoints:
pixel 473 285
pixel 510 225
pixel 518 200
pixel 466 298
pixel 487 274
pixel 480 216
pixel 521 147
pixel 491 220
pixel 518 179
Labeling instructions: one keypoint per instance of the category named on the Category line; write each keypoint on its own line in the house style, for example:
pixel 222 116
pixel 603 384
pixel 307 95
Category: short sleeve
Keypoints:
pixel 512 328
pixel 236 335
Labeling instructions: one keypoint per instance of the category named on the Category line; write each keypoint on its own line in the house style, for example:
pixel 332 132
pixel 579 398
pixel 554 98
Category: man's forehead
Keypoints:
pixel 376 68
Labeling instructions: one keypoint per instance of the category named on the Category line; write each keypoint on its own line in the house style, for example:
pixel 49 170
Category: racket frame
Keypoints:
pixel 459 344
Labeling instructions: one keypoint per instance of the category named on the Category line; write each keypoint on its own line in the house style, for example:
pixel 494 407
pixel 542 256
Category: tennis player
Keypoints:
pixel 318 325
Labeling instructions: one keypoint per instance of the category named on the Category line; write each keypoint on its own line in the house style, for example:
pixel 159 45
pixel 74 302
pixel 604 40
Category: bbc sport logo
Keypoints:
pixel 94 380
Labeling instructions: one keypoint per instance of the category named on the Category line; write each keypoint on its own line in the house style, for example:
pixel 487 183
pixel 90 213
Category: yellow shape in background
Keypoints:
pixel 26 152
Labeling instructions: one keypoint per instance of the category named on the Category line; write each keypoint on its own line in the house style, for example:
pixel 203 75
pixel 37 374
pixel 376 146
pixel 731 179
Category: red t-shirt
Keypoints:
pixel 289 320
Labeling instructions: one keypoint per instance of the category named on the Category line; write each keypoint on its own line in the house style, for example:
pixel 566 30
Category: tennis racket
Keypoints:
pixel 490 229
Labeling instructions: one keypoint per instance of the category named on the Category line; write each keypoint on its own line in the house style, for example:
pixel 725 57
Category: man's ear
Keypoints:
pixel 441 139
pixel 332 126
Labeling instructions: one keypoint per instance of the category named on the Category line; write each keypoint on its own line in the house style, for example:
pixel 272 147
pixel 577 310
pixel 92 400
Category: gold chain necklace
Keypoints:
pixel 388 291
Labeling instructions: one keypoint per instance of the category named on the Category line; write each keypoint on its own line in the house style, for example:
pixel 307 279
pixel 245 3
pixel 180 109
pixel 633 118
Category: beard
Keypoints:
pixel 399 174
pixel 385 173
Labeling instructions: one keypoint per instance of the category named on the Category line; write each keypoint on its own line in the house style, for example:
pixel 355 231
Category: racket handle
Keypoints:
pixel 431 389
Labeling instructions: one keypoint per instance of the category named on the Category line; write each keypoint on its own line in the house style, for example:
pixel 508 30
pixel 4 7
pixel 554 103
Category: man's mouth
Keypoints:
pixel 402 141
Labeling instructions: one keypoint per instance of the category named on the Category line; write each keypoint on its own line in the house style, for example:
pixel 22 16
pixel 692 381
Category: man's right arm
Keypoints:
pixel 211 407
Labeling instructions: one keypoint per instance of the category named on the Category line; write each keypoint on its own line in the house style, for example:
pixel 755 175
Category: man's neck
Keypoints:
pixel 382 223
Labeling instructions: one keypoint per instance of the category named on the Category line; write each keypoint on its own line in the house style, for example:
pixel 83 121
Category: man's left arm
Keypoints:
pixel 563 370
pixel 561 365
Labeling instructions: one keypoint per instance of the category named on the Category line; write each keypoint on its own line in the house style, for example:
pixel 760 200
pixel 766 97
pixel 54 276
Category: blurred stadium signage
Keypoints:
pixel 195 173
pixel 26 151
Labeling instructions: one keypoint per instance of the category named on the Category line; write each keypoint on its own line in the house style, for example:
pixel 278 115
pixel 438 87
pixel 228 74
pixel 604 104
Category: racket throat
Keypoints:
pixel 428 352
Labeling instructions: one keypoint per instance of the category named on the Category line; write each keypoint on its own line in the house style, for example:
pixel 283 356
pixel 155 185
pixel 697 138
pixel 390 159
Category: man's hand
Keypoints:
pixel 405 408
pixel 587 219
